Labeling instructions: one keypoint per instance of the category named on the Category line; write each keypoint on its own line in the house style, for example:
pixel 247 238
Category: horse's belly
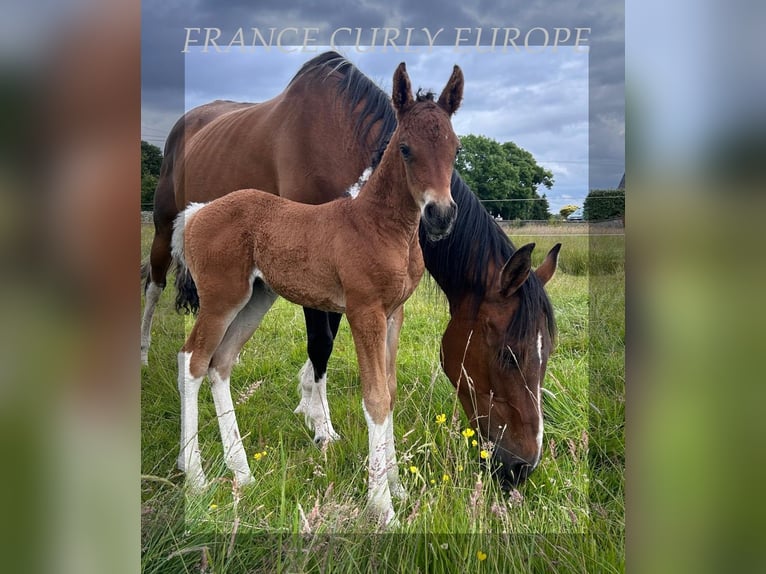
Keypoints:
pixel 305 289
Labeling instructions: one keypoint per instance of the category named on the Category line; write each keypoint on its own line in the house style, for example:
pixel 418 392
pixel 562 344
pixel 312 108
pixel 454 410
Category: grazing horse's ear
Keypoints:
pixel 516 270
pixel 548 267
pixel 402 93
pixel 452 94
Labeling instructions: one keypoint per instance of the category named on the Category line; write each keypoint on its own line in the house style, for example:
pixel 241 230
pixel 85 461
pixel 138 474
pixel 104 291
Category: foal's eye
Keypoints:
pixel 405 149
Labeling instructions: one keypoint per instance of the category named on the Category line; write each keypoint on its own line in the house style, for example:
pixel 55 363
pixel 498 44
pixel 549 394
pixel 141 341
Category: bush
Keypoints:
pixel 604 204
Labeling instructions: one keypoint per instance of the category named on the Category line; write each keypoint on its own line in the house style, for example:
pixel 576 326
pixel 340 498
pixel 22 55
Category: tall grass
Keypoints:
pixel 305 511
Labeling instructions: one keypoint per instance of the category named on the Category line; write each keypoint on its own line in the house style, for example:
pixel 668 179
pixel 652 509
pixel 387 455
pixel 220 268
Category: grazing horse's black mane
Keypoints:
pixel 459 263
pixel 476 241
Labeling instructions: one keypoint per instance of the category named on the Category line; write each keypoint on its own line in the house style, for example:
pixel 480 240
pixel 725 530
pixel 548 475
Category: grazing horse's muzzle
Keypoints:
pixel 438 219
pixel 509 469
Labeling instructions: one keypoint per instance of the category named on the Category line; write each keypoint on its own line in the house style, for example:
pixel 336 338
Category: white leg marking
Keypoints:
pixel 394 485
pixel 314 405
pixel 153 293
pixel 378 492
pixel 233 450
pixel 189 459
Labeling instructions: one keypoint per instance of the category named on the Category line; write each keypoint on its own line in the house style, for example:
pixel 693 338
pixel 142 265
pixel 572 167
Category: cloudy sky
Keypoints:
pixel 564 105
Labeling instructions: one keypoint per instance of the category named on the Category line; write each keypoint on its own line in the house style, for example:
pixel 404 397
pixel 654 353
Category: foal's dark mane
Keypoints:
pixel 459 263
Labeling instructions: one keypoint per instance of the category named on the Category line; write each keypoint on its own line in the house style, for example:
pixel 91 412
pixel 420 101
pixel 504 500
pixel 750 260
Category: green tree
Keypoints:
pixel 499 172
pixel 151 161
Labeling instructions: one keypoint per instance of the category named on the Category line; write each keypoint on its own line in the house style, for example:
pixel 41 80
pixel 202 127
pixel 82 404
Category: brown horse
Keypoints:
pixel 358 256
pixel 490 347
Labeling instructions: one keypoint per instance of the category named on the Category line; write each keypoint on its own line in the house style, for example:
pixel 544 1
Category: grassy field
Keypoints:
pixel 305 513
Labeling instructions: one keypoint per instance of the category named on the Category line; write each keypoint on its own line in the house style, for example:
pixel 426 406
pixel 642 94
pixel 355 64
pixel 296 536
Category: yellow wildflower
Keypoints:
pixel 441 419
pixel 213 506
pixel 481 556
pixel 445 478
pixel 484 454
pixel 433 481
pixel 414 469
pixel 258 455
pixel 468 433
pixel 474 442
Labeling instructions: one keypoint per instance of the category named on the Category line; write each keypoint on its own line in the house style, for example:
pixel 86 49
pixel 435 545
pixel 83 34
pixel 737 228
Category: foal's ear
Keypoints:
pixel 452 94
pixel 516 270
pixel 402 93
pixel 548 267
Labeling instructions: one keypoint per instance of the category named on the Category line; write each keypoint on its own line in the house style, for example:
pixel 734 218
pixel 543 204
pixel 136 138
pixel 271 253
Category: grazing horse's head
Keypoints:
pixel 495 352
pixel 427 144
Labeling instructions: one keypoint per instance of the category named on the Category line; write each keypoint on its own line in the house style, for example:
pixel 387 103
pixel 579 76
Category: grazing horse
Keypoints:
pixel 356 255
pixel 490 347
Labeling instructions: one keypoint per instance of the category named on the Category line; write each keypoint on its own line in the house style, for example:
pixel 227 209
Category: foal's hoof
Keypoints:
pixel 321 440
pixel 398 491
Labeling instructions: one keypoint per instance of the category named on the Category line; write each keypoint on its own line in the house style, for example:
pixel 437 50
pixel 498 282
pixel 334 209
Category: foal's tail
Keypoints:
pixel 187 298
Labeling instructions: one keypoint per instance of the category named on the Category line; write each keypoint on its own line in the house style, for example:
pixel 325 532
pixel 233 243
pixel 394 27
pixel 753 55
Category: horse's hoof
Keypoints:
pixel 398 492
pixel 326 439
pixel 245 480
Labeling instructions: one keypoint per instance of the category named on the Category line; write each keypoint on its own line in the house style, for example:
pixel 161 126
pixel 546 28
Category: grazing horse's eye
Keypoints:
pixel 508 358
pixel 405 149
pixel 458 150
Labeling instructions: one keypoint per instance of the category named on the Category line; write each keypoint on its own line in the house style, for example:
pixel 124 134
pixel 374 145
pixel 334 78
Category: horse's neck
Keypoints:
pixel 387 194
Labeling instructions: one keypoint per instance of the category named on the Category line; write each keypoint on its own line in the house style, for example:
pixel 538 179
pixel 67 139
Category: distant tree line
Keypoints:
pixel 151 161
pixel 604 204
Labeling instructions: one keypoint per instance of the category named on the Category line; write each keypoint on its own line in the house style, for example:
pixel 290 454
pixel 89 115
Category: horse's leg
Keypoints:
pixel 238 333
pixel 159 263
pixel 394 326
pixel 321 329
pixel 189 458
pixel 193 362
pixel 368 327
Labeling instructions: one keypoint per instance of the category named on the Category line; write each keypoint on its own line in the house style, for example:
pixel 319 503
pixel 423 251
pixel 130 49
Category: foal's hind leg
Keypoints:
pixel 321 329
pixel 238 333
pixel 194 360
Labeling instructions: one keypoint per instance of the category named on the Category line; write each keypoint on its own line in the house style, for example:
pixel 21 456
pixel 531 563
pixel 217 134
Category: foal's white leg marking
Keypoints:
pixel 539 401
pixel 233 450
pixel 314 405
pixel 396 488
pixel 189 459
pixel 378 491
pixel 153 293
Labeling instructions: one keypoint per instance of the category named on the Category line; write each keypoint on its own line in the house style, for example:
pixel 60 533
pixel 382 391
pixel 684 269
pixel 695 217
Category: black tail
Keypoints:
pixel 187 298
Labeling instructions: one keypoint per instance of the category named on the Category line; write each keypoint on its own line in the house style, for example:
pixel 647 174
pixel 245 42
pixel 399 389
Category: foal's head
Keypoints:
pixel 427 144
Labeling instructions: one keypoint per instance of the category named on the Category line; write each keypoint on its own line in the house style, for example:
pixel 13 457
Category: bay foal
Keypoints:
pixel 358 256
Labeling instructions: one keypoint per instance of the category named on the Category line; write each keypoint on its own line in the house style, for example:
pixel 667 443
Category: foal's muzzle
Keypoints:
pixel 439 219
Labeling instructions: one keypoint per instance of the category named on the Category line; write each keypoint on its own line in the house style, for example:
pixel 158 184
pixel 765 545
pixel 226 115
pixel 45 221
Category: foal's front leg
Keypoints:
pixel 394 326
pixel 369 329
